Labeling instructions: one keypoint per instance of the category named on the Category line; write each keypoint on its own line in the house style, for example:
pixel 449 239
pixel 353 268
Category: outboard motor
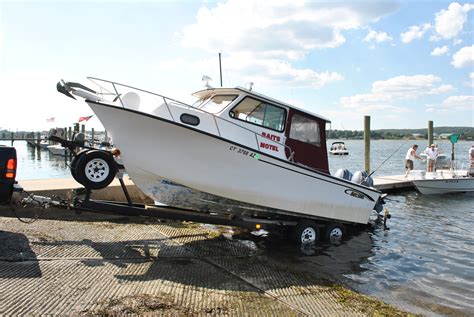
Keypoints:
pixel 363 178
pixel 343 173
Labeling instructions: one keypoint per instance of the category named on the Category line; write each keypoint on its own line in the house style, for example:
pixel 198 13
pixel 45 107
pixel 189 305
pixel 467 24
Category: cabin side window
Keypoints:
pixel 260 113
pixel 305 130
pixel 217 103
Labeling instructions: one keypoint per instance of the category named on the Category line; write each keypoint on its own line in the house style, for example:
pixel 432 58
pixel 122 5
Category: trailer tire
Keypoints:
pixel 95 169
pixel 334 232
pixel 307 232
pixel 73 164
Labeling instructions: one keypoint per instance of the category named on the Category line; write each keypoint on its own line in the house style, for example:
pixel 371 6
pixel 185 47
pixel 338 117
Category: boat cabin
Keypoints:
pixel 282 130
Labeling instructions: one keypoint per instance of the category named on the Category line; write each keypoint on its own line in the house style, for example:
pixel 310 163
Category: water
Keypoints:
pixel 424 263
pixel 38 164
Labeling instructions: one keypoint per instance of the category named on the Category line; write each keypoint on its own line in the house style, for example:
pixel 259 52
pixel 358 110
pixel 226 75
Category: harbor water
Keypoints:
pixel 424 263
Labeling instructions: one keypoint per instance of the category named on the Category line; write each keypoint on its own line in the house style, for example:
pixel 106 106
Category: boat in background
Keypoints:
pixel 338 148
pixel 44 144
pixel 442 181
pixel 443 161
pixel 57 149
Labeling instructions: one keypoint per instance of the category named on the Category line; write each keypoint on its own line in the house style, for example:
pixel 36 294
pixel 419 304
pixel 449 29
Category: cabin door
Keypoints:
pixel 306 136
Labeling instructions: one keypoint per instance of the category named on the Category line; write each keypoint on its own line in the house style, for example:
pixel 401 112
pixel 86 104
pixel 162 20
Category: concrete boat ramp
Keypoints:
pixel 68 264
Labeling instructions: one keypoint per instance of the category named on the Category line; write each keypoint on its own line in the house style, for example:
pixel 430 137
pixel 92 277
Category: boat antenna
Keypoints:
pixel 388 158
pixel 220 67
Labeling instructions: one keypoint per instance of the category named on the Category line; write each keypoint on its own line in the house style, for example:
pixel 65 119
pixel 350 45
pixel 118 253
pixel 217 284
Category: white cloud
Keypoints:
pixel 377 37
pixel 438 51
pixel 464 57
pixel 410 87
pixel 449 23
pixel 245 67
pixel 471 80
pixel 286 28
pixel 386 93
pixel 458 103
pixel 262 39
pixel 415 33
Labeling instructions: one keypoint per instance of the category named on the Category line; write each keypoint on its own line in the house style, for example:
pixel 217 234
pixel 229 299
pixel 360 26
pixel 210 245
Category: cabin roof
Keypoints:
pixel 206 92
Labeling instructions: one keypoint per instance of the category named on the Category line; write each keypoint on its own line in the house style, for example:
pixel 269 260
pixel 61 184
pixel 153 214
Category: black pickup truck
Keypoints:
pixel 7 172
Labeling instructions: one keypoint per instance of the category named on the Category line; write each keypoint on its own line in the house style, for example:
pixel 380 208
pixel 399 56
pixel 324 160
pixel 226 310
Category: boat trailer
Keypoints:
pixel 95 169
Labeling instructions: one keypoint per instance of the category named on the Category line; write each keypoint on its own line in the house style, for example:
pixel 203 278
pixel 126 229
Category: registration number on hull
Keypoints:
pixel 244 152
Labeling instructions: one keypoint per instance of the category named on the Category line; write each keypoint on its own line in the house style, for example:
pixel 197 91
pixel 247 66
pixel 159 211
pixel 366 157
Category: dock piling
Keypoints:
pixel 38 140
pixel 367 144
pixel 430 132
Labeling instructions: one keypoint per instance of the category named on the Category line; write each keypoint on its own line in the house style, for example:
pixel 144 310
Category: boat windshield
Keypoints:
pixel 217 103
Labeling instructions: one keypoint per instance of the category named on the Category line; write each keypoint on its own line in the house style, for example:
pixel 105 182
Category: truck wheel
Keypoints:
pixel 334 232
pixel 73 164
pixel 307 233
pixel 95 169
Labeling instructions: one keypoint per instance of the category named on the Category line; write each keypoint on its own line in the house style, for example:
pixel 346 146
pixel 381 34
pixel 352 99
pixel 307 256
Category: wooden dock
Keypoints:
pixel 393 183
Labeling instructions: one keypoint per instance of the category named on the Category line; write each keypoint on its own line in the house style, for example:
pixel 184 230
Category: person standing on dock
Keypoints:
pixel 432 153
pixel 410 157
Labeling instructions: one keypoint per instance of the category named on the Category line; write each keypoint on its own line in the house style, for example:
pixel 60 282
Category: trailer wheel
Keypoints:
pixel 73 164
pixel 95 169
pixel 307 232
pixel 334 232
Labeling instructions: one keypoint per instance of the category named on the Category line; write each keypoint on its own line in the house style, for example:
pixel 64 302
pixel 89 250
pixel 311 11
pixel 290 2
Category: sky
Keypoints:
pixel 401 62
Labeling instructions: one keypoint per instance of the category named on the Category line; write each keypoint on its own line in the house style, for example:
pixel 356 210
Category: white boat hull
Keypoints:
pixel 57 150
pixel 444 186
pixel 157 152
pixel 341 152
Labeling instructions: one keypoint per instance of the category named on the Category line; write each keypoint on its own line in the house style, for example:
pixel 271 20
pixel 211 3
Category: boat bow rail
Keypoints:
pixel 157 105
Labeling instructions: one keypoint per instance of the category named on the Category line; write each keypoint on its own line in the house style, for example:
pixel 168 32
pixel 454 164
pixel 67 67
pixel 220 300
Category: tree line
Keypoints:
pixel 465 133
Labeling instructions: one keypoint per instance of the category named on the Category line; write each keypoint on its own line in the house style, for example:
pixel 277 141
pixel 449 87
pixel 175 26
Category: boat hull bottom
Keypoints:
pixel 166 192
pixel 444 186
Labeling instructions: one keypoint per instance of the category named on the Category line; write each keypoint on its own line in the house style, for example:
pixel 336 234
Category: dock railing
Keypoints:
pixel 116 92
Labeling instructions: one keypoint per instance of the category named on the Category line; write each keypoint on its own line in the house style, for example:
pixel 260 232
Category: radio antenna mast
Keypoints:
pixel 220 68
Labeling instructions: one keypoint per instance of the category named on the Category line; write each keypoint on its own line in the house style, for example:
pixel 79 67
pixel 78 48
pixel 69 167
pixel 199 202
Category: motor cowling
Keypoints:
pixel 343 173
pixel 362 178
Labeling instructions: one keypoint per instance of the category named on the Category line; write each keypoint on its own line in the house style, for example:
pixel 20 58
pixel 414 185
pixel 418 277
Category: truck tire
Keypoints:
pixel 95 169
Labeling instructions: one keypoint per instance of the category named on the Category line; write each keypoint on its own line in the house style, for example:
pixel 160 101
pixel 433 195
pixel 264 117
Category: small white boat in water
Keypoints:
pixel 234 151
pixel 44 144
pixel 338 148
pixel 57 149
pixel 442 182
